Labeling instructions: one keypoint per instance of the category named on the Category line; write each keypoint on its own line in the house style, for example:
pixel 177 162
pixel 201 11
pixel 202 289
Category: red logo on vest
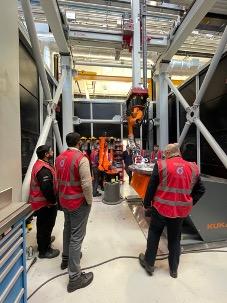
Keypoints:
pixel 180 170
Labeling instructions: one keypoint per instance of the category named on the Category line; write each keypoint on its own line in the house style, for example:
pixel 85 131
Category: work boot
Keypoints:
pixel 173 274
pixel 64 263
pixel 50 254
pixel 84 280
pixel 149 269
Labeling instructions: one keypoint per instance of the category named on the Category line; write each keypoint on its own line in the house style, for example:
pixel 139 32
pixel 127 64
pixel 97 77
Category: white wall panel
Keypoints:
pixel 10 136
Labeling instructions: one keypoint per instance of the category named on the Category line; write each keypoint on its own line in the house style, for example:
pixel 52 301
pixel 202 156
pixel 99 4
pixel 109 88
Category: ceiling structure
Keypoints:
pixel 95 36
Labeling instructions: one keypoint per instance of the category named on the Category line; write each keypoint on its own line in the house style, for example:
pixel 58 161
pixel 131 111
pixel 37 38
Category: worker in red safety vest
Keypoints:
pixel 175 186
pixel 94 158
pixel 43 199
pixel 75 196
pixel 156 154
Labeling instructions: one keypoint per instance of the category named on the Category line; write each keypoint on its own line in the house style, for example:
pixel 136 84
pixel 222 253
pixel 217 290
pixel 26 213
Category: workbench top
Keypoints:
pixel 142 169
pixel 13 213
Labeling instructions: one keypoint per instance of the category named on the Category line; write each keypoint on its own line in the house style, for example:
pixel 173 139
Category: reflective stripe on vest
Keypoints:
pixel 175 190
pixel 71 197
pixel 36 199
pixel 69 183
pixel 172 203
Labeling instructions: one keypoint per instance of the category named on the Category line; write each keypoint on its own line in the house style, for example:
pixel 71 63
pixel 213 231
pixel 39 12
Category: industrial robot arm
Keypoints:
pixel 136 101
pixel 135 117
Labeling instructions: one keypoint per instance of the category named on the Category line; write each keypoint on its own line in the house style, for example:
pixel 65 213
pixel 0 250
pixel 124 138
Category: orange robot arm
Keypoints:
pixel 101 152
pixel 136 116
pixel 104 163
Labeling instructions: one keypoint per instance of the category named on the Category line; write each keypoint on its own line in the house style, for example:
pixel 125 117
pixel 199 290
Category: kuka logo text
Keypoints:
pixel 217 225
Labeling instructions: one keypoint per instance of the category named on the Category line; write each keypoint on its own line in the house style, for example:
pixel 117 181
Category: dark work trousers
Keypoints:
pixel 95 182
pixel 101 179
pixel 46 217
pixel 73 235
pixel 129 173
pixel 174 225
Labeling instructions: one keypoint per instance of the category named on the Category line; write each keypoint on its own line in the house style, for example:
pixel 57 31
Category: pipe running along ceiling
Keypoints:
pixel 106 16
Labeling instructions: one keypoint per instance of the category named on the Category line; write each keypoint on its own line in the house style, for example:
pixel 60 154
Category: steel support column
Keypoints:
pixel 212 142
pixel 198 141
pixel 67 97
pixel 54 139
pixel 184 132
pixel 162 110
pixel 54 20
pixel 57 136
pixel 178 118
pixel 42 140
pixel 46 89
pixel 59 89
pixel 210 139
pixel 78 121
pixel 182 100
pixel 91 117
pixel 212 68
pixel 136 53
pixel 197 12
pixel 207 79
pixel 41 99
pixel 43 137
pixel 35 48
pixel 141 136
pixel 150 125
pixel 122 129
pixel 144 41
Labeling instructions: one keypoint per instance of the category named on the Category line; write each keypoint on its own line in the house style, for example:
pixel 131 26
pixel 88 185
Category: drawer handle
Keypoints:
pixel 10 252
pixel 20 295
pixel 10 265
pixel 10 241
pixel 10 285
pixel 9 234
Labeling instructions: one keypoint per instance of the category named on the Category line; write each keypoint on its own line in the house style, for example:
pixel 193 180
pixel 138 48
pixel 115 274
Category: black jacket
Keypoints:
pixel 45 179
pixel 127 158
pixel 197 191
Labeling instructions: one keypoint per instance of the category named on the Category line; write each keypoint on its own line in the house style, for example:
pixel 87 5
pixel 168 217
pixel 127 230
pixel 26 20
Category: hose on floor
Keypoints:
pixel 32 263
pixel 159 257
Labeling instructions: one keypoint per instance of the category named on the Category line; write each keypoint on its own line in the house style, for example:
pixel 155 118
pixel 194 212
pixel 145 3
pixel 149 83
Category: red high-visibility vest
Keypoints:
pixel 156 156
pixel 94 157
pixel 177 179
pixel 70 191
pixel 36 197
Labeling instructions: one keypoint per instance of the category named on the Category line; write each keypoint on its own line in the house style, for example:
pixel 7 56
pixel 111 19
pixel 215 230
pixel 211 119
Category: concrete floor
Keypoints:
pixel 113 231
